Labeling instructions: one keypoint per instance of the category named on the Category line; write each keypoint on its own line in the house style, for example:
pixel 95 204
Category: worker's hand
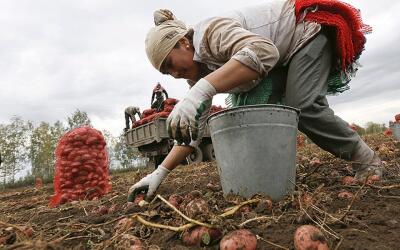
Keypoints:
pixel 188 115
pixel 148 183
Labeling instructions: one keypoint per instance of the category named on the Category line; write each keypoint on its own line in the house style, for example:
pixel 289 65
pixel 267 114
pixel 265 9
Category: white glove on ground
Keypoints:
pixel 148 183
pixel 187 116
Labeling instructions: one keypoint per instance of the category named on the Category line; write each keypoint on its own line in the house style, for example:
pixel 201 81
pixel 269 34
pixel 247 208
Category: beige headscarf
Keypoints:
pixel 161 39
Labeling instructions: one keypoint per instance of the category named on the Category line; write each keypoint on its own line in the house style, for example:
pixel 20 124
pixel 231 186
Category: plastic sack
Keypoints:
pixel 81 166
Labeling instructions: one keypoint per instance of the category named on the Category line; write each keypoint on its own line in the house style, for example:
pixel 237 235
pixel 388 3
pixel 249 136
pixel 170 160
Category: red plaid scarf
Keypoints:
pixel 346 20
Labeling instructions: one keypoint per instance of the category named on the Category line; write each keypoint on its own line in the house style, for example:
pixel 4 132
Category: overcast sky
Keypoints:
pixel 57 56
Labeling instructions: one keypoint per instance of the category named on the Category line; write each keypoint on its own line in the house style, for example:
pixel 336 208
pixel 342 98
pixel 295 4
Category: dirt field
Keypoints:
pixel 370 219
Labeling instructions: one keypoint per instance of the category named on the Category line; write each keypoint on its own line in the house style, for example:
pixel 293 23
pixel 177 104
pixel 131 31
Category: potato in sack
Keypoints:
pixel 81 166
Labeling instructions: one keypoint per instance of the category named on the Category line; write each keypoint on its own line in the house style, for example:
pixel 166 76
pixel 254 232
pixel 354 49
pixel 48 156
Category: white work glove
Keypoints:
pixel 188 115
pixel 148 183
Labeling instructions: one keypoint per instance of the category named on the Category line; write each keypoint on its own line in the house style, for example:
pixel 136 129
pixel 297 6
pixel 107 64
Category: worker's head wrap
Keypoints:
pixel 161 39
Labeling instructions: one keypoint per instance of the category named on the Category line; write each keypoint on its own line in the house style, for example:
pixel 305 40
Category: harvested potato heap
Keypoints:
pixel 149 115
pixel 81 166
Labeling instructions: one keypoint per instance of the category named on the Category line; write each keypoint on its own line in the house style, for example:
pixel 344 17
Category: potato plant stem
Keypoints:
pixel 184 216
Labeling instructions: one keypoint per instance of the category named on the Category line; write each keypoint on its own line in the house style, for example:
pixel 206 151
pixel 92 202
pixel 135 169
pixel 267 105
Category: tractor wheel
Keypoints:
pixel 195 157
pixel 208 152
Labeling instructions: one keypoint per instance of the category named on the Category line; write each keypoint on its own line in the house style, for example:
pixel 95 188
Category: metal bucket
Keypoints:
pixel 255 149
pixel 395 127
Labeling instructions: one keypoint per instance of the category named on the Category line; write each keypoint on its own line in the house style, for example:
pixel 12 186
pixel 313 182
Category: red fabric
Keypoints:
pixel 81 166
pixel 346 20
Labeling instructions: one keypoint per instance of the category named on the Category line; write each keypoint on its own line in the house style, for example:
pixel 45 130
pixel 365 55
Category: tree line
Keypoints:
pixel 28 151
pixel 370 128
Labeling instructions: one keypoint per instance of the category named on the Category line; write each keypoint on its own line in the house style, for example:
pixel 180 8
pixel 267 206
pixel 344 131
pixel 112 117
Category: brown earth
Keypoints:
pixel 368 220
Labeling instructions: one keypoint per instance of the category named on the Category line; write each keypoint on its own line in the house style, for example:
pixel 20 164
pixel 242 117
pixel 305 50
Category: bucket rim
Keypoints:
pixel 252 107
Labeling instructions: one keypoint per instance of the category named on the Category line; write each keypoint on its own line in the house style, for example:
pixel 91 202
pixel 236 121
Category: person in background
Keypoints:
pixel 158 93
pixel 297 43
pixel 130 113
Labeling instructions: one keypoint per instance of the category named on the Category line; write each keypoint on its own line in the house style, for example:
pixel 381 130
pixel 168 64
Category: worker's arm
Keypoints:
pixel 246 56
pixel 166 94
pixel 152 97
pixel 231 75
pixel 150 182
pixel 177 155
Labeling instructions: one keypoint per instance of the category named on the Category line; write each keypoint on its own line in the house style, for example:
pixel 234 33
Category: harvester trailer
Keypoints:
pixel 152 141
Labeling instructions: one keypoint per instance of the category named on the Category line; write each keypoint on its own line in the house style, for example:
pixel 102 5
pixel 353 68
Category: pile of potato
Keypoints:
pixel 81 166
pixel 149 115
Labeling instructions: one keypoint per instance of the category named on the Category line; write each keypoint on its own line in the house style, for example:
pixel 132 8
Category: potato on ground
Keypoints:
pixel 196 207
pixel 130 242
pixel 308 237
pixel 175 200
pixel 123 224
pixel 201 236
pixel 241 239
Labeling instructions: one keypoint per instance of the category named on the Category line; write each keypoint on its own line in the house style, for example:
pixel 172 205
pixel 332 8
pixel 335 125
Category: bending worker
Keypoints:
pixel 159 93
pixel 298 44
pixel 130 113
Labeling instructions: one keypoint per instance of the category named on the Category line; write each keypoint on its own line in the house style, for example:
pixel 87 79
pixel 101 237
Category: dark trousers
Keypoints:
pixel 304 85
pixel 127 119
pixel 158 104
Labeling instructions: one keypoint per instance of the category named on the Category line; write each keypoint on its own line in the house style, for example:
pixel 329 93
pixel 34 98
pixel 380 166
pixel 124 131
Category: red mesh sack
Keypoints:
pixel 81 166
pixel 170 101
pixel 137 124
pixel 397 117
pixel 151 117
pixel 388 132
pixel 145 120
pixel 168 108
pixel 148 112
pixel 215 109
pixel 164 114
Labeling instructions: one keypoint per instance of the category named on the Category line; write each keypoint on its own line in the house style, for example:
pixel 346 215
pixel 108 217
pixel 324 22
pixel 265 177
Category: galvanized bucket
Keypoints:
pixel 395 127
pixel 255 149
